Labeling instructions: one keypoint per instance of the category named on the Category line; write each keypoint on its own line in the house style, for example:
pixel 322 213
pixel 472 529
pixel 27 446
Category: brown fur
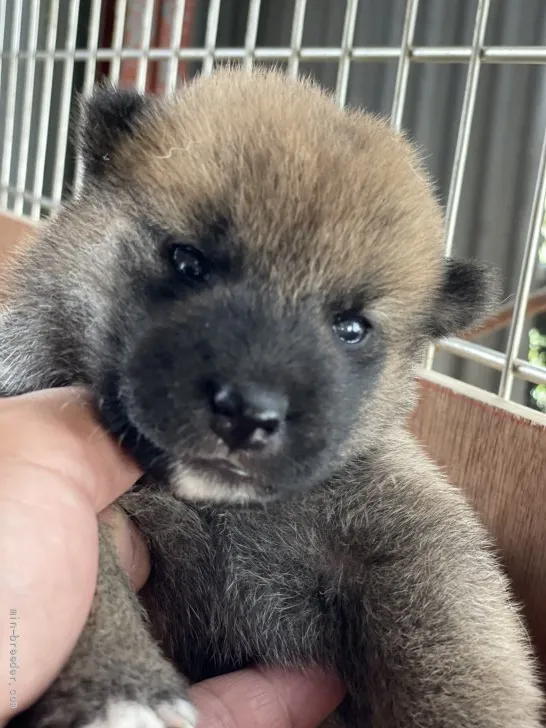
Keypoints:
pixel 380 570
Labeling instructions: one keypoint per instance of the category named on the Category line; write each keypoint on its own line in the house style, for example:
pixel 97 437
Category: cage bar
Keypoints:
pixel 251 35
pixel 296 37
pixel 493 359
pixel 494 55
pixel 344 68
pixel 213 18
pixel 402 74
pixel 38 200
pixel 147 30
pixel 527 271
pixel 44 107
pixel 176 39
pixel 9 129
pixel 3 14
pixel 120 12
pixel 30 71
pixel 90 72
pixel 66 97
pixel 463 137
pixel 465 126
pixel 92 47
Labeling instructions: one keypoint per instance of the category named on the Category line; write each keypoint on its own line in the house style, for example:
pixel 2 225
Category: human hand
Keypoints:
pixel 58 469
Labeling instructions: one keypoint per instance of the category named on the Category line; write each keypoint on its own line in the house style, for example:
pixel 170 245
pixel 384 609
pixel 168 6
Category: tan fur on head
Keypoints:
pixel 299 177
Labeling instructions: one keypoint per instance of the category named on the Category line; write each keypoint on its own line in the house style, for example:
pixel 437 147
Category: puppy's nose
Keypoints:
pixel 248 417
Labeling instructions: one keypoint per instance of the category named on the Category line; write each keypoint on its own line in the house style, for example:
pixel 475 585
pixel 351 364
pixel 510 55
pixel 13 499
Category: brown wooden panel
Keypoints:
pixel 499 459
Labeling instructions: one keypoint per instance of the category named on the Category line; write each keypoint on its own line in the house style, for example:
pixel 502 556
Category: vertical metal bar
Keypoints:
pixel 117 40
pixel 3 13
pixel 465 126
pixel 176 39
pixel 66 96
pixel 463 136
pixel 251 35
pixel 90 71
pixel 344 67
pixel 527 271
pixel 402 74
pixel 92 46
pixel 7 148
pixel 147 29
pixel 296 37
pixel 210 36
pixel 27 107
pixel 45 107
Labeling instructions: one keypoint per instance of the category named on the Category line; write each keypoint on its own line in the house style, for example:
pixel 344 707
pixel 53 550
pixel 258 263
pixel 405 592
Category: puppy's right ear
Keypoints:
pixel 106 117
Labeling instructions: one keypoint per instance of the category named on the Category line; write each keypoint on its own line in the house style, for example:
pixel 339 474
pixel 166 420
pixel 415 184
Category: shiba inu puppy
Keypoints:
pixel 246 281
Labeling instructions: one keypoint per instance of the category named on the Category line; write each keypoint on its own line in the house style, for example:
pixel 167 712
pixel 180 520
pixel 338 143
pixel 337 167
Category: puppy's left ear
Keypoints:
pixel 469 292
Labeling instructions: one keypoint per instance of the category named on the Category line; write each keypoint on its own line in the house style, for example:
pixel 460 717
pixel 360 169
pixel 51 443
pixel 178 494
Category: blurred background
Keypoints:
pixel 465 78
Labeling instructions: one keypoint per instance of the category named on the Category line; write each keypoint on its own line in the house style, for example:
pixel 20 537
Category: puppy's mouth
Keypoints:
pixel 224 467
pixel 216 473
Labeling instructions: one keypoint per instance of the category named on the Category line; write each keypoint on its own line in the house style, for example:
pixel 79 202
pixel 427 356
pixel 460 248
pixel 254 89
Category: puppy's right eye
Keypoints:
pixel 190 264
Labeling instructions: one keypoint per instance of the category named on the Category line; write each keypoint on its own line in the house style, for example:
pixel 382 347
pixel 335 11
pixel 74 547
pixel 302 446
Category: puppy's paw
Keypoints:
pixel 177 713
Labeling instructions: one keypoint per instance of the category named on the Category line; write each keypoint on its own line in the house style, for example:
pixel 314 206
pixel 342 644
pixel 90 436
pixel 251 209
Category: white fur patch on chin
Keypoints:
pixel 195 487
pixel 128 714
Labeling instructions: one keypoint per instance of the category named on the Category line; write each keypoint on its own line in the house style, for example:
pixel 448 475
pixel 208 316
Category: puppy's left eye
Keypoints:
pixel 190 263
pixel 351 328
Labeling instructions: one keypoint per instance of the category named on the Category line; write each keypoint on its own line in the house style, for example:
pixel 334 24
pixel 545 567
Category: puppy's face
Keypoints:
pixel 246 281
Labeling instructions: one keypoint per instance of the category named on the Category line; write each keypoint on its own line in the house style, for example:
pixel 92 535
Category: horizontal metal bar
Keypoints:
pixel 493 359
pixel 46 202
pixel 474 352
pixel 506 54
pixel 422 54
pixel 529 372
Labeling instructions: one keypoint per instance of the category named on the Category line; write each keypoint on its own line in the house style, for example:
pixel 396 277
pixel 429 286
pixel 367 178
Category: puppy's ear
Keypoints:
pixel 469 292
pixel 106 117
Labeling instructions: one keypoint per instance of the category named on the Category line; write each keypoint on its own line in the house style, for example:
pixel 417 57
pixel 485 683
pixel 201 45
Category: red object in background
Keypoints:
pixel 160 38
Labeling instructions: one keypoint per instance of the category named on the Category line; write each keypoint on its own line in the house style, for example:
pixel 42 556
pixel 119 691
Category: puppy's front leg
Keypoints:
pixel 117 675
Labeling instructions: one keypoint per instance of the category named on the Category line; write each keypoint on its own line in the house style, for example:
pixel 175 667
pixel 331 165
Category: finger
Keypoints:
pixel 268 698
pixel 133 553
pixel 57 429
pixel 49 556
pixel 57 470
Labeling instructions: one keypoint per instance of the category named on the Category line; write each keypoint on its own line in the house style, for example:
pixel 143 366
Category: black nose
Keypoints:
pixel 249 417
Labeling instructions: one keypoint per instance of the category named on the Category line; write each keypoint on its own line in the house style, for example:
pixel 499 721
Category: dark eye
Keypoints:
pixel 351 329
pixel 190 263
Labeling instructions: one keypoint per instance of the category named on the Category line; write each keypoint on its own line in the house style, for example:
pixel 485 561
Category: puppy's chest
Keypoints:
pixel 240 588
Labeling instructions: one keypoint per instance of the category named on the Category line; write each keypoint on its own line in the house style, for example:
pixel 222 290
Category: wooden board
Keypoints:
pixel 497 455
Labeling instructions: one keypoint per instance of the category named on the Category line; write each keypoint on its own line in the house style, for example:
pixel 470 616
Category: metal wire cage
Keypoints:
pixel 467 79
